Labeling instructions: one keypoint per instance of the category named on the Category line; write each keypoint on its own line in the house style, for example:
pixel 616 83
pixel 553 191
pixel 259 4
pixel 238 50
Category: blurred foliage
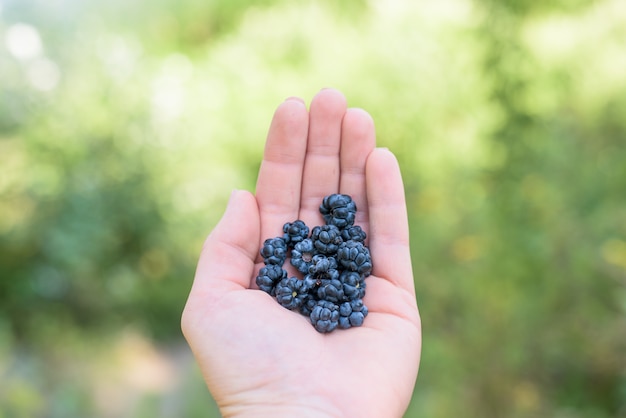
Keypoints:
pixel 124 126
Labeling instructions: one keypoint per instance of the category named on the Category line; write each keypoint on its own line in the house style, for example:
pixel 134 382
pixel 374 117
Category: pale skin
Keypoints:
pixel 260 359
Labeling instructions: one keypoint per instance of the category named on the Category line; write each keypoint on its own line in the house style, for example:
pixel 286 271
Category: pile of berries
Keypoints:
pixel 334 262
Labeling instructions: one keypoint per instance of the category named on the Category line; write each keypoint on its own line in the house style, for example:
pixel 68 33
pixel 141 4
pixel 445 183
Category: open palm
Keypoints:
pixel 261 359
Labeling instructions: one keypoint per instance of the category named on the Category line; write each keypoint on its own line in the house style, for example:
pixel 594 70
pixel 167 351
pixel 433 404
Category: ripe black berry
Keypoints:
pixel 325 316
pixel 352 314
pixel 269 276
pixel 295 232
pixel 355 256
pixel 291 292
pixel 326 239
pixel 353 233
pixel 331 290
pixel 338 210
pixel 307 305
pixel 320 264
pixel 302 255
pixel 353 284
pixel 274 251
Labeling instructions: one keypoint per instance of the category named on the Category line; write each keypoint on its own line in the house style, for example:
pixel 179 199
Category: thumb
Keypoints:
pixel 228 255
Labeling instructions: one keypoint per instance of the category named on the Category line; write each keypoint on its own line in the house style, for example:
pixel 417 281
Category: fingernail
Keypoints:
pixel 294 98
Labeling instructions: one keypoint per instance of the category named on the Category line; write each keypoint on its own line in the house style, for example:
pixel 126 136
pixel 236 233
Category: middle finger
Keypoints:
pixel 321 166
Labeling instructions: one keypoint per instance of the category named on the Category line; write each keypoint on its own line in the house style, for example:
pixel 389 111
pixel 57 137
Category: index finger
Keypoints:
pixel 280 176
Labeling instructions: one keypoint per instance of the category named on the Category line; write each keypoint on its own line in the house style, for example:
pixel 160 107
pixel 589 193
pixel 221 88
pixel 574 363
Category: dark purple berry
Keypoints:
pixel 353 233
pixel 355 256
pixel 331 290
pixel 353 285
pixel 307 305
pixel 295 232
pixel 311 282
pixel 291 292
pixel 330 274
pixel 326 239
pixel 338 210
pixel 274 251
pixel 325 316
pixel 352 314
pixel 269 276
pixel 302 255
pixel 321 264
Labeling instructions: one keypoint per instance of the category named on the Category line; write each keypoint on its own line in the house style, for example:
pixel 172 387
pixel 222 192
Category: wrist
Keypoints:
pixel 277 403
pixel 272 410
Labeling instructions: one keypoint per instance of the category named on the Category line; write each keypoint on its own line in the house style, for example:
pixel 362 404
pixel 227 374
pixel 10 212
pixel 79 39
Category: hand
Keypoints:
pixel 261 359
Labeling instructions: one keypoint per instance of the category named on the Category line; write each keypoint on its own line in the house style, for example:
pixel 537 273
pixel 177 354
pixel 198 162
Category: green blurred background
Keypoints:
pixel 124 126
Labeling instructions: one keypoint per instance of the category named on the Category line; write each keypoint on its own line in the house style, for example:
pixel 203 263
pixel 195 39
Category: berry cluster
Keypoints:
pixel 334 262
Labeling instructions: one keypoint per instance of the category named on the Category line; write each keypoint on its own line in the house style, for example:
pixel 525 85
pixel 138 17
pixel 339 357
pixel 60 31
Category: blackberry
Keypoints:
pixel 325 316
pixel 311 281
pixel 353 284
pixel 355 256
pixel 307 305
pixel 269 276
pixel 353 233
pixel 352 314
pixel 295 232
pixel 274 251
pixel 291 292
pixel 326 239
pixel 313 284
pixel 321 264
pixel 338 210
pixel 331 290
pixel 302 255
pixel 330 274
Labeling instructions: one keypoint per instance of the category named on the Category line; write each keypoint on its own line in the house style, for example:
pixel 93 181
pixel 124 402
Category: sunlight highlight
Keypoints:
pixel 23 41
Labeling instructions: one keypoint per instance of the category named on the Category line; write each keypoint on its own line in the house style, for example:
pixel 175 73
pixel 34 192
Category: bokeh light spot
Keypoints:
pixel 23 41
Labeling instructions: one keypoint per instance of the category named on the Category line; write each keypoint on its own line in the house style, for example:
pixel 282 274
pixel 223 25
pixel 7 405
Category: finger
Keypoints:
pixel 358 139
pixel 389 228
pixel 227 258
pixel 321 166
pixel 280 175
